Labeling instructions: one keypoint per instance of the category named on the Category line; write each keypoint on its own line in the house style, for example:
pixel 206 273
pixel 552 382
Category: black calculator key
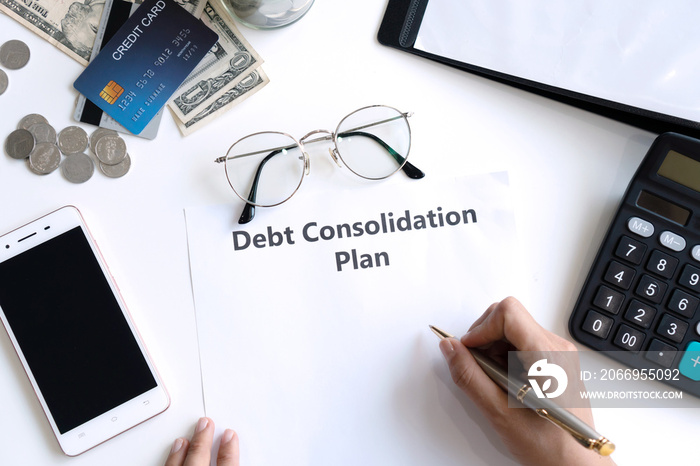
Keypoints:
pixel 640 313
pixel 672 328
pixel 690 277
pixel 608 300
pixel 629 338
pixel 630 250
pixel 619 275
pixel 597 324
pixel 661 353
pixel 662 264
pixel 651 288
pixel 683 303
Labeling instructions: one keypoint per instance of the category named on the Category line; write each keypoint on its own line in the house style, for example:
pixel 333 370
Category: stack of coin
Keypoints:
pixel 14 54
pixel 36 140
pixel 110 150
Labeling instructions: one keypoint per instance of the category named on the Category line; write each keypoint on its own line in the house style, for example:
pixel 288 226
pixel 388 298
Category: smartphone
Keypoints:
pixel 73 333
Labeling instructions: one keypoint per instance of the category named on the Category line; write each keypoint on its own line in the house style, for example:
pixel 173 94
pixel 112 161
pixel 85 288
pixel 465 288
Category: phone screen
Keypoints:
pixel 71 330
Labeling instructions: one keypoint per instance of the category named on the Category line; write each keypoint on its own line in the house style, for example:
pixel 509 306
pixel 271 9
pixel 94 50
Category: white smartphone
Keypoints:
pixel 73 334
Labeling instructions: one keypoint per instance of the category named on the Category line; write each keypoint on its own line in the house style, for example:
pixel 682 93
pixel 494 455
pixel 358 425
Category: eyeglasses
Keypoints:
pixel 266 169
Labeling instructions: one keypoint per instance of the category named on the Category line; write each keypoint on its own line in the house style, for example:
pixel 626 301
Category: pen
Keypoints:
pixel 582 432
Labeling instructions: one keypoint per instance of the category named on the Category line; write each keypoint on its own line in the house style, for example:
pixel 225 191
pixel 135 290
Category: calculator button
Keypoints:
pixel 629 338
pixel 640 227
pixel 597 324
pixel 608 300
pixel 690 277
pixel 696 252
pixel 661 353
pixel 683 303
pixel 651 289
pixel 690 362
pixel 672 241
pixel 619 275
pixel 662 264
pixel 630 250
pixel 672 328
pixel 640 313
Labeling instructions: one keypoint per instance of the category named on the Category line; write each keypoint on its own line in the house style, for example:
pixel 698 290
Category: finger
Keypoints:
pixel 468 375
pixel 509 320
pixel 229 452
pixel 177 452
pixel 199 451
pixel 483 316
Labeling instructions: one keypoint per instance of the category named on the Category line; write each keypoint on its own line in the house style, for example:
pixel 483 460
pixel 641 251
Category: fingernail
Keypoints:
pixel 177 445
pixel 446 347
pixel 202 424
pixel 226 438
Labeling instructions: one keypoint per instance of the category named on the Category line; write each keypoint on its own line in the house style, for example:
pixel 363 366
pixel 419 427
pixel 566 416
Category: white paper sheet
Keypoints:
pixel 642 53
pixel 315 366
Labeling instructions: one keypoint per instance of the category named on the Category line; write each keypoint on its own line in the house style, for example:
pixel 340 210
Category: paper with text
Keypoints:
pixel 313 321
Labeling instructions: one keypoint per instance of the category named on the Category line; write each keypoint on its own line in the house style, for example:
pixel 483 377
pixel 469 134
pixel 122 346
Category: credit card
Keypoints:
pixel 145 62
pixel 114 15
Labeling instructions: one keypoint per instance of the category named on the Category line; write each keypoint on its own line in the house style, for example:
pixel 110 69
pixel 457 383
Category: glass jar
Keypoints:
pixel 267 14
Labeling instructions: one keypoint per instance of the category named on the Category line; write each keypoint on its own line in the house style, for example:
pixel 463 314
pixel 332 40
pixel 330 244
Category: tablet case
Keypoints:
pixel 399 29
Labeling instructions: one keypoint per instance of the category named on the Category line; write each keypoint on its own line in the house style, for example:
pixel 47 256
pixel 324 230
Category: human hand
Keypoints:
pixel 197 452
pixel 531 439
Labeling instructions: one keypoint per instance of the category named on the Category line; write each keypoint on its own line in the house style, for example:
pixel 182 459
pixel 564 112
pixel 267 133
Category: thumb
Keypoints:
pixel 468 376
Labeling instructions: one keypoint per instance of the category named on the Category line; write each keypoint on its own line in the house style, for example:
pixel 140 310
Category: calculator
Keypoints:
pixel 641 297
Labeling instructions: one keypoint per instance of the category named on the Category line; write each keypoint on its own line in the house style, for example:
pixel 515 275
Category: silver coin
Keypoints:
pixel 31 119
pixel 110 150
pixel 118 170
pixel 14 54
pixel 78 168
pixel 19 144
pixel 97 134
pixel 43 132
pixel 72 140
pixel 45 158
pixel 3 82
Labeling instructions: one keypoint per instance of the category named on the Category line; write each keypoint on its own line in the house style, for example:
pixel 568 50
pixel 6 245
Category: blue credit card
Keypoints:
pixel 145 62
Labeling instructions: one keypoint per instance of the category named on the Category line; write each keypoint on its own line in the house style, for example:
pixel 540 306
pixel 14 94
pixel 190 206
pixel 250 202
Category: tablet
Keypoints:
pixel 631 61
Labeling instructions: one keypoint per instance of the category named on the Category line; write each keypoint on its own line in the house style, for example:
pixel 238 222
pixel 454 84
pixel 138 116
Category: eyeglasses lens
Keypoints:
pixel 265 168
pixel 374 142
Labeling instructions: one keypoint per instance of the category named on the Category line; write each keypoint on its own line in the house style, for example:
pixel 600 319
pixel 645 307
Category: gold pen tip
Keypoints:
pixel 440 333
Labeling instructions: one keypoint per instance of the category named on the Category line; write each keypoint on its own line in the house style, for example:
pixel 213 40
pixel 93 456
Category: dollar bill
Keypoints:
pixel 70 26
pixel 227 63
pixel 225 100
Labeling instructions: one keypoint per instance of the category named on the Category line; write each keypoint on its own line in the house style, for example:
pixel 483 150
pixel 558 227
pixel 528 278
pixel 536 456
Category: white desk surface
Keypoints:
pixel 568 170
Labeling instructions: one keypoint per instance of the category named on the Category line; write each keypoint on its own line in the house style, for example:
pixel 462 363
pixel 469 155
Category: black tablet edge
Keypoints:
pixel 390 31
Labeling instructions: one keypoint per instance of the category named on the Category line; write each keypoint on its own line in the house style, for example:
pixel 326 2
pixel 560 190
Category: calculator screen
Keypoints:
pixel 681 169
pixel 662 207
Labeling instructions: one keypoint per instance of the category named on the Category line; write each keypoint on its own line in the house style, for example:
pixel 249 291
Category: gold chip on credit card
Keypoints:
pixel 111 92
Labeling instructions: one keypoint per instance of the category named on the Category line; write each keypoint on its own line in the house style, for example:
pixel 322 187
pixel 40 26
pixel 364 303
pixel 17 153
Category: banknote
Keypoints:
pixel 225 100
pixel 70 26
pixel 226 64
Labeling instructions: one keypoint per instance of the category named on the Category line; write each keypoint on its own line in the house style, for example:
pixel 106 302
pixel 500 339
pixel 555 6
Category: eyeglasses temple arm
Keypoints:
pixel 408 168
pixel 248 212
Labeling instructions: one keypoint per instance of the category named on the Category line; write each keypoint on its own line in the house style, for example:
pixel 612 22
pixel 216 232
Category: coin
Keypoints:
pixel 72 139
pixel 97 134
pixel 78 168
pixel 118 170
pixel 110 150
pixel 43 132
pixel 14 54
pixel 31 119
pixel 3 82
pixel 45 158
pixel 19 144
